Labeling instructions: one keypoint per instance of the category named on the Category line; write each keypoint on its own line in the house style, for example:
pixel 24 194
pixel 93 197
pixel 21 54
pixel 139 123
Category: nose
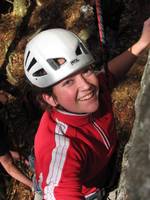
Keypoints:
pixel 83 82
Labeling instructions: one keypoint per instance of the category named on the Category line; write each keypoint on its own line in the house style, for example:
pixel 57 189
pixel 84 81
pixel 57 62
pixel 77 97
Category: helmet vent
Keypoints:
pixel 31 64
pixel 78 51
pixel 27 57
pixel 40 72
pixel 55 64
pixel 82 47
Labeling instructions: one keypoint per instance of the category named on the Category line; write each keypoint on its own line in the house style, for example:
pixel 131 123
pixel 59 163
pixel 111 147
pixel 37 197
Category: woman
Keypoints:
pixel 76 139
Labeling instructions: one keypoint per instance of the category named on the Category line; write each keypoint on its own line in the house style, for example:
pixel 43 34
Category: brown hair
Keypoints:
pixel 39 98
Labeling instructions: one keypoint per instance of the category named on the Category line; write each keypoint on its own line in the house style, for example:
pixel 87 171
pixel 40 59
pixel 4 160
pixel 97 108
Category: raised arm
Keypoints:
pixel 122 63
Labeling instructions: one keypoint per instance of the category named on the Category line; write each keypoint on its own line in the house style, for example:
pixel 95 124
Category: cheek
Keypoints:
pixel 65 96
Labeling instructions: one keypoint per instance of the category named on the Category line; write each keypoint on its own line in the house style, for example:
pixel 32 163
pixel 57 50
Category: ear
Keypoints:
pixel 51 100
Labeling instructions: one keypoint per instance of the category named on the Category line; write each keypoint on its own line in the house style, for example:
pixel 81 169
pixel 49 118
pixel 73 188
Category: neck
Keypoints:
pixel 63 110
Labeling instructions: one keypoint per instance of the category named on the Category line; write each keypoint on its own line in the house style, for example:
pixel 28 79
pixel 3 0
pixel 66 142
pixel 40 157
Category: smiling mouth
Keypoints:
pixel 88 96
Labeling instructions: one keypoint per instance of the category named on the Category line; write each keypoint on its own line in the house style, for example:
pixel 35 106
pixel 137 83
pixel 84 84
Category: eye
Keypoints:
pixel 68 82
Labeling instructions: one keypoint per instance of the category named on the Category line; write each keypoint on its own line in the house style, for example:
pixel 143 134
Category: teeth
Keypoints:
pixel 86 97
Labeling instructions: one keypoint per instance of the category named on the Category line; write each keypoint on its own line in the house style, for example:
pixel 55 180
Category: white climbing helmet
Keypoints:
pixel 43 51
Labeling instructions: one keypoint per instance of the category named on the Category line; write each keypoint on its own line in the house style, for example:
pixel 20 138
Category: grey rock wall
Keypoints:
pixel 135 176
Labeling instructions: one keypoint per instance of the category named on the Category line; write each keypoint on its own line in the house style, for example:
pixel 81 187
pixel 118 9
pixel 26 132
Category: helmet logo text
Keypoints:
pixel 74 61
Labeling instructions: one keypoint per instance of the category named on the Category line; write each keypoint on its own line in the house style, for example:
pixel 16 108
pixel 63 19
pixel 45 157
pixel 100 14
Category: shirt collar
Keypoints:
pixel 73 119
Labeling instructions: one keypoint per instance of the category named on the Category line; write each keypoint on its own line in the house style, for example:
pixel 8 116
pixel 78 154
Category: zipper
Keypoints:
pixel 102 134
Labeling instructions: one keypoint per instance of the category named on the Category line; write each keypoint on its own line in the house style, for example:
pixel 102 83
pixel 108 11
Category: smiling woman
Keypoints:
pixel 76 142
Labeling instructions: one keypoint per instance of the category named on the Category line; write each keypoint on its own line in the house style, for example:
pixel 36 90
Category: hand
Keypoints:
pixel 16 156
pixel 145 36
pixel 144 40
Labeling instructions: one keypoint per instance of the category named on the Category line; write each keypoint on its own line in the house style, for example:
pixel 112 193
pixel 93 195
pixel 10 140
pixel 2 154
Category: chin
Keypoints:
pixel 93 109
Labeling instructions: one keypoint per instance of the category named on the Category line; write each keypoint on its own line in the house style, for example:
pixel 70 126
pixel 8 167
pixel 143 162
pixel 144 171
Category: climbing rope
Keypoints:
pixel 102 35
pixel 100 23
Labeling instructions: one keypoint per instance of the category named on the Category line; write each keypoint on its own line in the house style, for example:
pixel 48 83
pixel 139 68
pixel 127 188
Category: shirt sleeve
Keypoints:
pixel 108 81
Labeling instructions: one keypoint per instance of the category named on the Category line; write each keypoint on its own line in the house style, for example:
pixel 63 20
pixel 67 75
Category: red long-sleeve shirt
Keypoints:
pixel 73 151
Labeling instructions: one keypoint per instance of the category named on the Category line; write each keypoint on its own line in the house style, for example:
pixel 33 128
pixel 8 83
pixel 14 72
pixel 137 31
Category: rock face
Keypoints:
pixel 135 177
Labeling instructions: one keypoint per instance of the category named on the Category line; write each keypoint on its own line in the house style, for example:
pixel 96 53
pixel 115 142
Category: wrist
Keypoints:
pixel 138 47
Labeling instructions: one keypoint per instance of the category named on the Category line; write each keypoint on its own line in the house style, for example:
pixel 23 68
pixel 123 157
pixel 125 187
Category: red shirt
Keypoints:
pixel 73 151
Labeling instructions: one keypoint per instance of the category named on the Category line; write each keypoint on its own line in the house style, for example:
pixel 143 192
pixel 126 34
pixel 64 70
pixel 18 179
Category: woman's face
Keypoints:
pixel 78 93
